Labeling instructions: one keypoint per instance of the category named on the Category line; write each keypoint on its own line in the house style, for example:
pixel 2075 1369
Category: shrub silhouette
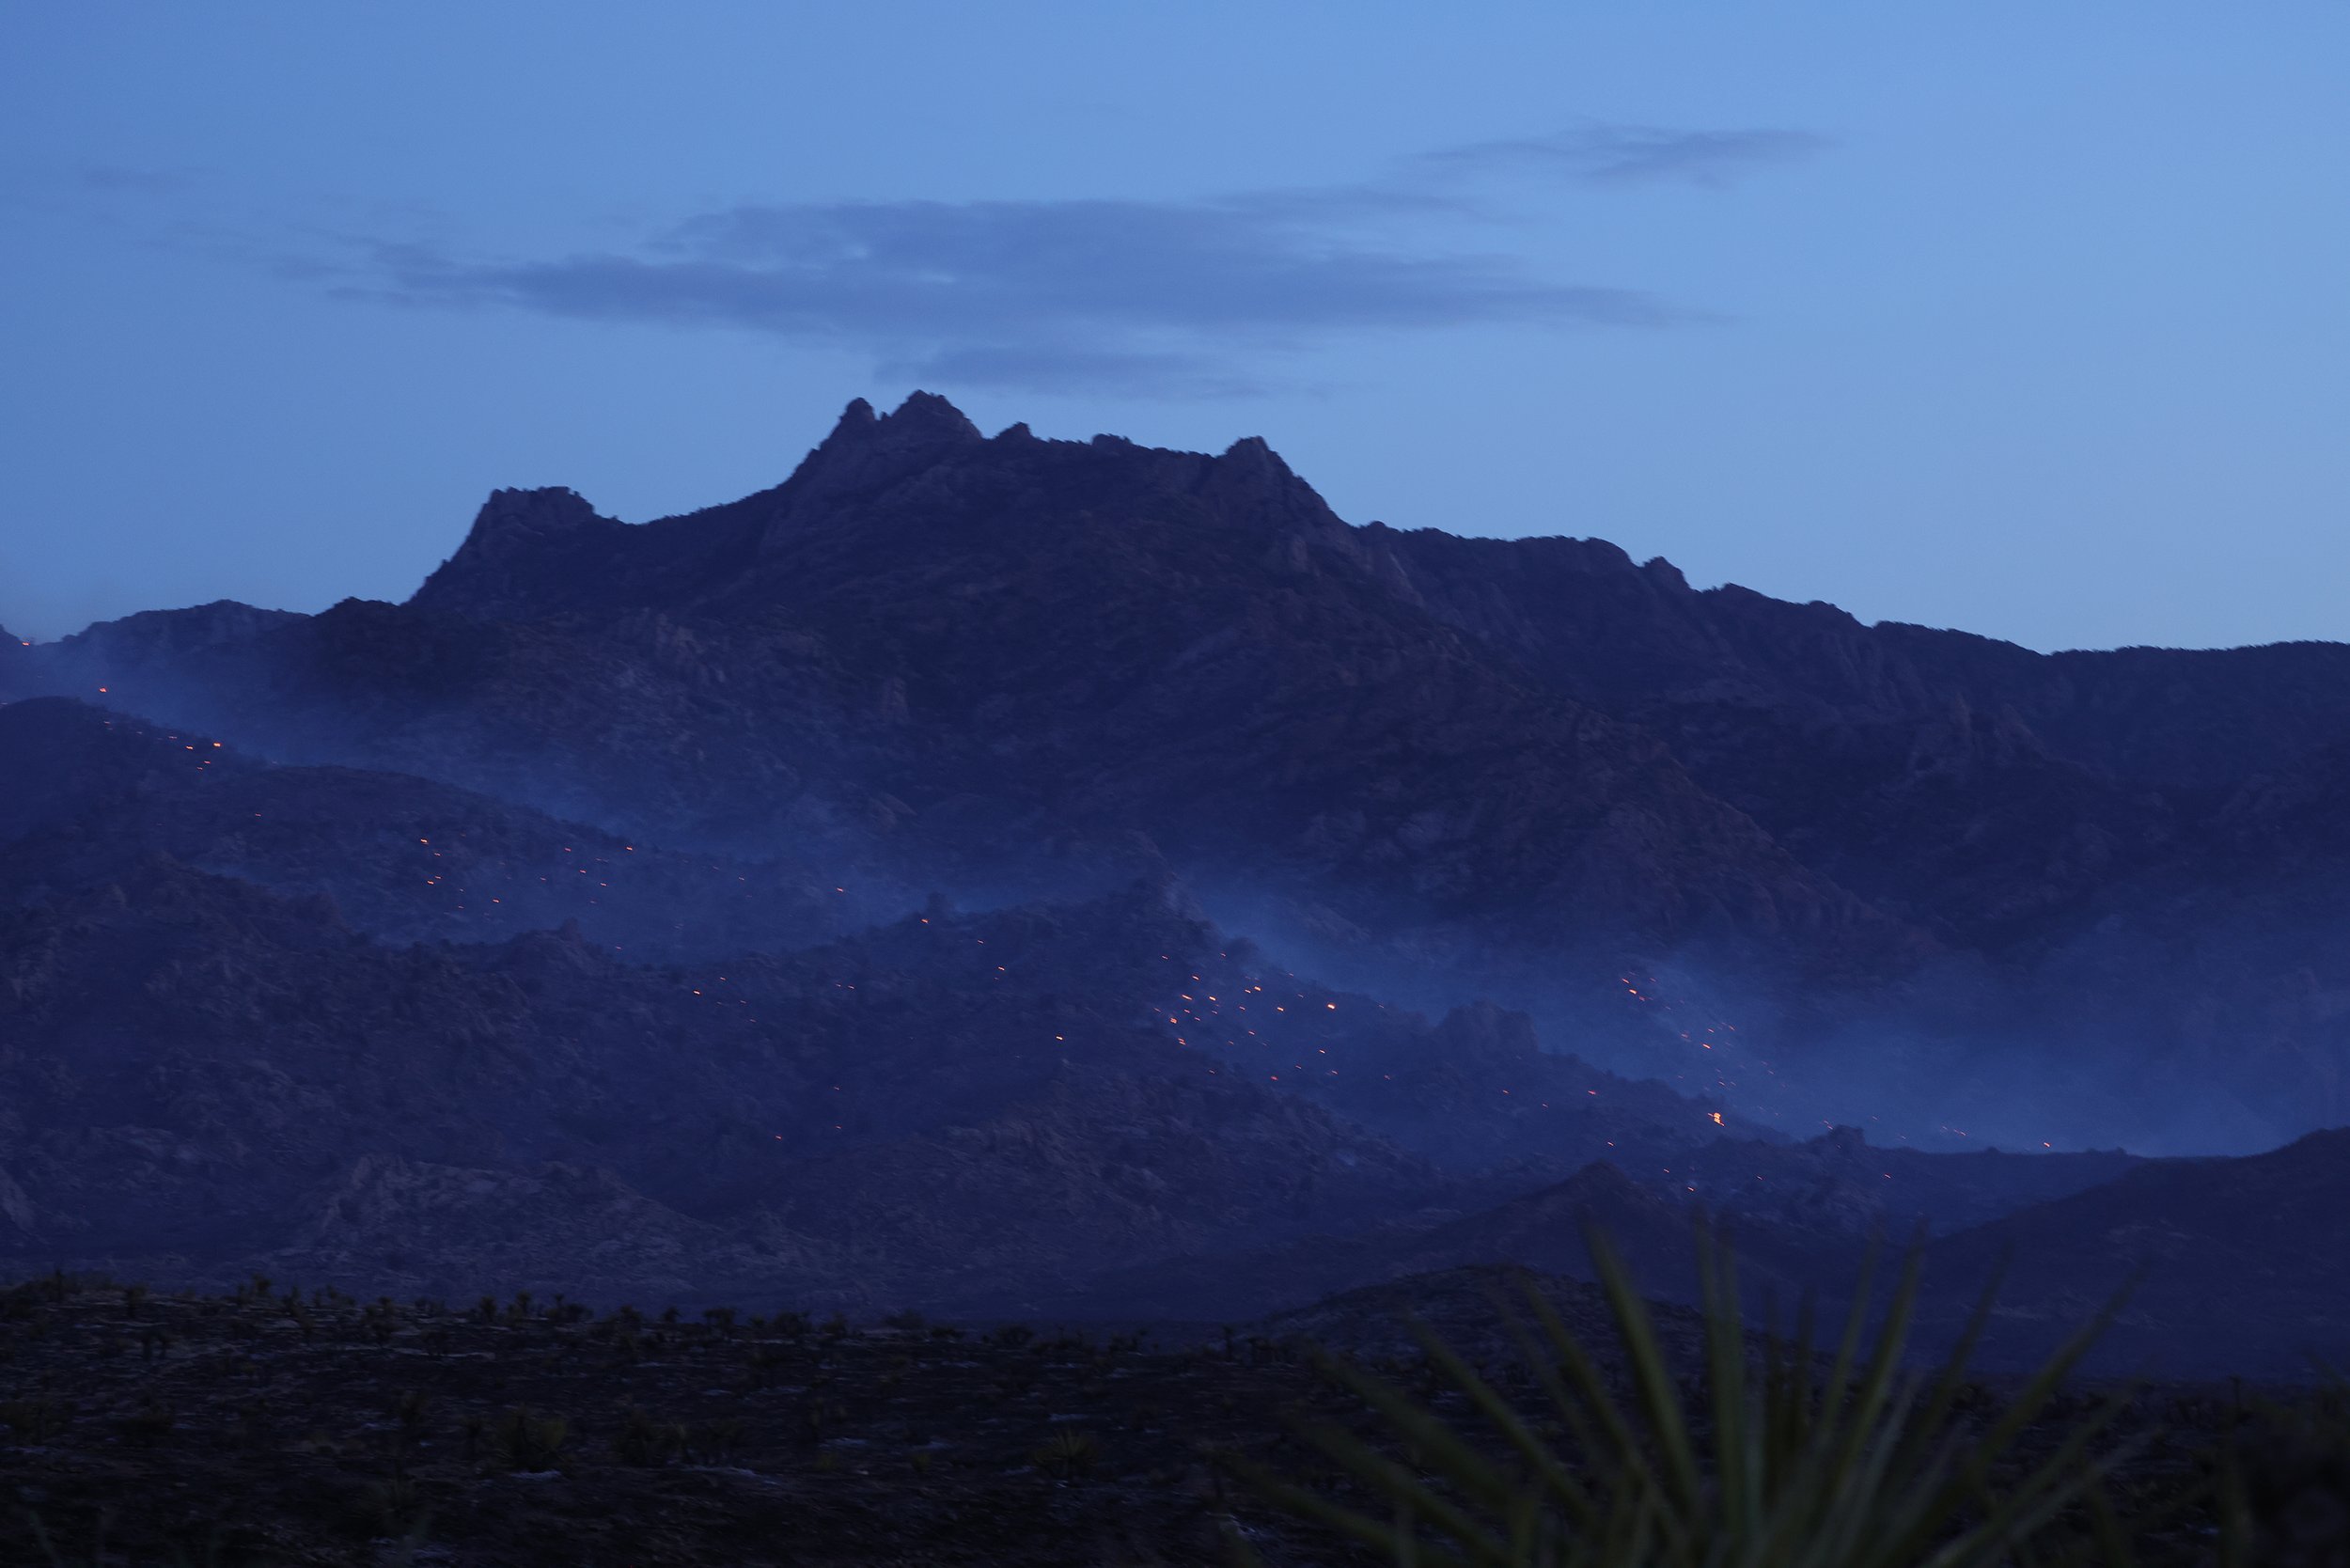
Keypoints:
pixel 522 1441
pixel 645 1441
pixel 1857 1465
pixel 1068 1453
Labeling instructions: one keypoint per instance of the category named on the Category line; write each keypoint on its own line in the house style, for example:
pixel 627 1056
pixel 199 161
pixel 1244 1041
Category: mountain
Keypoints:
pixel 200 1076
pixel 1543 1230
pixel 1930 877
pixel 208 1068
pixel 1009 876
pixel 2130 862
pixel 1800 1218
pixel 2230 1266
pixel 2217 1268
pixel 194 1067
pixel 947 642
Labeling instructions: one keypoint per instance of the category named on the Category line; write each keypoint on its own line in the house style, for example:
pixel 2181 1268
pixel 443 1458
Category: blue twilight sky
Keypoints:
pixel 2029 318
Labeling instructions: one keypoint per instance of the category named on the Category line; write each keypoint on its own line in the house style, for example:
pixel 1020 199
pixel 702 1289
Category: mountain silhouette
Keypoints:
pixel 340 917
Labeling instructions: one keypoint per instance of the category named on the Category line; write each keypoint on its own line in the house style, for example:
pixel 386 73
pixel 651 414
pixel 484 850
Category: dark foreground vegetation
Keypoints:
pixel 275 1425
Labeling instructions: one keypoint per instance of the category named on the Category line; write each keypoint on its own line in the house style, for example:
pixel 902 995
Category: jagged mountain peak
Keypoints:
pixel 924 418
pixel 868 453
pixel 512 520
pixel 502 565
pixel 941 645
pixel 868 456
pixel 540 504
pixel 916 482
pixel 928 413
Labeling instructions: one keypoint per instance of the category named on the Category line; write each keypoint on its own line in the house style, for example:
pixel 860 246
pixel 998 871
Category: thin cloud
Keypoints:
pixel 1603 154
pixel 1176 297
pixel 1037 294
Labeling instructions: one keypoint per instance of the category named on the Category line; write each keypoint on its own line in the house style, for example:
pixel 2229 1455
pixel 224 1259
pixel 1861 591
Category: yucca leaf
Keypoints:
pixel 1397 1481
pixel 1444 1448
pixel 1616 1444
pixel 1538 1455
pixel 1863 1465
pixel 1651 1375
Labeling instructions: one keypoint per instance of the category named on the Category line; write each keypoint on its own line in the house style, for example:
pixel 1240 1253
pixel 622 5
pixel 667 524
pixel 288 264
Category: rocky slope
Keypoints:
pixel 200 1077
pixel 402 858
pixel 208 1069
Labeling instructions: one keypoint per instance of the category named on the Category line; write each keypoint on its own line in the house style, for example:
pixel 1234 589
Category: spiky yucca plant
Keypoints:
pixel 1795 1460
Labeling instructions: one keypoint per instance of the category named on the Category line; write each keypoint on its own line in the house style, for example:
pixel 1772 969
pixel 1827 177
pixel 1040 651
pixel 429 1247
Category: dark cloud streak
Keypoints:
pixel 1056 295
